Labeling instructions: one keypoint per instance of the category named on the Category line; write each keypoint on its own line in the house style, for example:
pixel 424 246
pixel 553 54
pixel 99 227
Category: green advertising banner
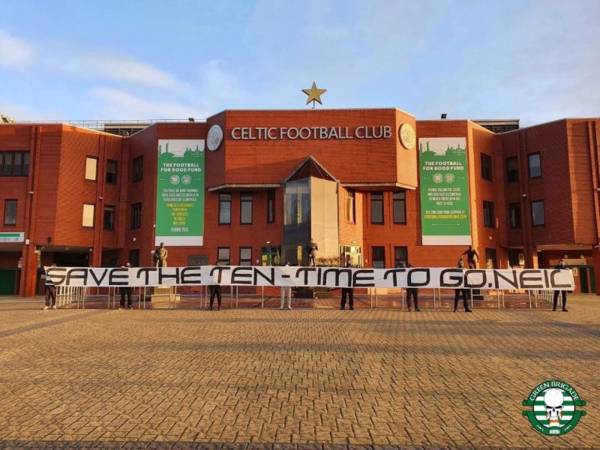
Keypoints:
pixel 180 193
pixel 444 187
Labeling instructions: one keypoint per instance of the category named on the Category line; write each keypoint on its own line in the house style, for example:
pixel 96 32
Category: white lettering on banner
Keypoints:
pixel 331 277
pixel 310 133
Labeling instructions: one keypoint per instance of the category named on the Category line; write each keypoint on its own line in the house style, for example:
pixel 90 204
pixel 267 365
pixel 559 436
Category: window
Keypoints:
pixel 14 164
pixel 400 256
pixel 512 169
pixel 245 208
pixel 378 257
pixel 136 216
pixel 223 255
pixel 88 215
pixel 109 217
pixel 91 168
pixel 297 203
pixel 377 207
pixel 111 171
pixel 224 209
pixel 138 169
pixel 486 167
pixel 245 256
pixel 351 207
pixel 399 200
pixel 514 215
pixel 537 213
pixel 534 161
pixel 488 214
pixel 134 257
pixel 10 212
pixel 491 261
pixel 271 206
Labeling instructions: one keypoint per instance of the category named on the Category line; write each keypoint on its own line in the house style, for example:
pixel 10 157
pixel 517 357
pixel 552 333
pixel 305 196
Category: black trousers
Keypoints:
pixel 414 293
pixel 464 293
pixel 347 293
pixel 215 291
pixel 50 295
pixel 125 293
pixel 564 299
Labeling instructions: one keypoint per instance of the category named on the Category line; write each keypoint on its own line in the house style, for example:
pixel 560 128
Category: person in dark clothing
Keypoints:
pixel 561 265
pixel 472 257
pixel 414 293
pixel 461 292
pixel 347 293
pixel 125 292
pixel 215 291
pixel 49 291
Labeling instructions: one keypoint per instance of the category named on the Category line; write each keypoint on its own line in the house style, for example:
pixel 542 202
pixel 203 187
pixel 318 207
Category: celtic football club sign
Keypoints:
pixel 553 408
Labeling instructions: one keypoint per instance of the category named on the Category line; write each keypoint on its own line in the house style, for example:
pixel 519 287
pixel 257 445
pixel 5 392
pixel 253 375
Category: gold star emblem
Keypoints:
pixel 314 94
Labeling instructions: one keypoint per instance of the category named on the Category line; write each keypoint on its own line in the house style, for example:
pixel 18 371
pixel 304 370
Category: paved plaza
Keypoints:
pixel 307 378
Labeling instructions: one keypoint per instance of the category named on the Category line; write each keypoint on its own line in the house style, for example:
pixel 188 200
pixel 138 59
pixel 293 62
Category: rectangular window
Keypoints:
pixel 88 215
pixel 136 216
pixel 271 206
pixel 223 256
pixel 245 208
pixel 378 257
pixel 91 168
pixel 109 217
pixel 537 213
pixel 351 207
pixel 534 161
pixel 111 171
pixel 400 256
pixel 377 207
pixel 138 169
pixel 488 214
pixel 399 199
pixel 512 169
pixel 491 261
pixel 514 215
pixel 245 256
pixel 224 209
pixel 10 212
pixel 297 202
pixel 14 164
pixel 486 167
pixel 134 257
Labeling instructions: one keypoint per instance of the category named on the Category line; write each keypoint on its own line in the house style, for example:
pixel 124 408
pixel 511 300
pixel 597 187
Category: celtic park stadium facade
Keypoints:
pixel 376 187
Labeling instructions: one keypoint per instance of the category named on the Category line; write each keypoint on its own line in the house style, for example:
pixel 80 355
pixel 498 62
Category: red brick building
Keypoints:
pixel 75 196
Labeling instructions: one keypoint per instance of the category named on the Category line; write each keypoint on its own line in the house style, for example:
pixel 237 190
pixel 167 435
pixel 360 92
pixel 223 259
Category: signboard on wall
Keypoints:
pixel 180 192
pixel 12 237
pixel 444 191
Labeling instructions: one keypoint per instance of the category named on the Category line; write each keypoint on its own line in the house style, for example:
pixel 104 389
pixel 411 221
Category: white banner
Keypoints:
pixel 330 277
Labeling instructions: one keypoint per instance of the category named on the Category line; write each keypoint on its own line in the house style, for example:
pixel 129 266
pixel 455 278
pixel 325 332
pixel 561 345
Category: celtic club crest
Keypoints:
pixel 553 408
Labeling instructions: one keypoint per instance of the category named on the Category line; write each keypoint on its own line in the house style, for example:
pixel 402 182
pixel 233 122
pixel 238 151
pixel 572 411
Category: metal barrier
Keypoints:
pixel 67 295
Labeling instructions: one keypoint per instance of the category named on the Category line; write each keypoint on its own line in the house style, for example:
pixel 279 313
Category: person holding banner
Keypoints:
pixel 347 293
pixel 125 291
pixel 414 293
pixel 461 292
pixel 49 291
pixel 561 265
pixel 215 291
pixel 286 294
pixel 472 257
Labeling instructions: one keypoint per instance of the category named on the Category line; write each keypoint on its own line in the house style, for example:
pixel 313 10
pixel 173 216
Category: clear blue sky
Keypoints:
pixel 533 60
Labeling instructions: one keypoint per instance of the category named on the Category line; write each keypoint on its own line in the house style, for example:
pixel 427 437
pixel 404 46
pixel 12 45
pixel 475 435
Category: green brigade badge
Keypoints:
pixel 554 406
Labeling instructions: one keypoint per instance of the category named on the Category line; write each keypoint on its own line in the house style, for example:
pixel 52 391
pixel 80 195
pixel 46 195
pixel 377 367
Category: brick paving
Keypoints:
pixel 301 379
